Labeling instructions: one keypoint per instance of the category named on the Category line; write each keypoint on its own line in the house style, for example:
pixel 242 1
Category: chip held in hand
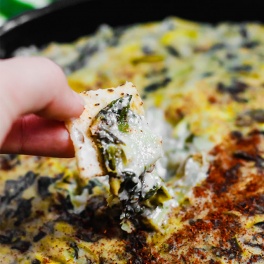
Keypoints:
pixel 87 152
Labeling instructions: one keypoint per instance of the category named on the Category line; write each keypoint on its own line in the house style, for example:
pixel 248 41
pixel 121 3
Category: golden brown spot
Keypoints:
pixel 212 99
pixel 97 104
pixel 110 90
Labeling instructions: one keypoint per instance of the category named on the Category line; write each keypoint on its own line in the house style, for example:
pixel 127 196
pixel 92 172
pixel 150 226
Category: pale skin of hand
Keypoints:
pixel 35 100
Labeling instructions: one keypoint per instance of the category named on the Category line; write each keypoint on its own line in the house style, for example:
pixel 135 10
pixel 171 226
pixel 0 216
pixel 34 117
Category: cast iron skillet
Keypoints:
pixel 66 20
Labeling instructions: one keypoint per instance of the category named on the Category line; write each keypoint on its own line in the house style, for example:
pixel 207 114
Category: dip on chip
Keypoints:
pixel 89 159
pixel 112 138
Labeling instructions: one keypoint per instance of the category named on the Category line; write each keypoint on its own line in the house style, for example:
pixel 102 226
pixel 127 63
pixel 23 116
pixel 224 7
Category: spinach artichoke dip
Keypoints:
pixel 203 201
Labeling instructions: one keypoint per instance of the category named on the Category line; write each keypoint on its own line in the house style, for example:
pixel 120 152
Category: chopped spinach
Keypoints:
pixel 91 184
pixel 75 248
pixel 242 68
pixel 123 124
pixel 117 109
pixel 260 225
pixel 251 44
pixel 243 31
pixel 207 74
pixel 41 234
pixel 65 202
pixel 234 90
pixel 4 239
pixel 43 185
pixel 217 46
pixel 89 236
pixel 21 245
pixel 13 238
pixel 155 86
pixel 173 51
pixel 23 210
pixel 259 161
pixel 8 161
pixel 249 117
pixel 35 261
pixel 13 188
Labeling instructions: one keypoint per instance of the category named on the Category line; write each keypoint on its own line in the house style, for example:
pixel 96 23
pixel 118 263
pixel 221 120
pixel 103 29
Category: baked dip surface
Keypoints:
pixel 203 90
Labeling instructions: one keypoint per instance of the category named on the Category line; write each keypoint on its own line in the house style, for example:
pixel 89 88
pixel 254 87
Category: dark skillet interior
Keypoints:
pixel 66 20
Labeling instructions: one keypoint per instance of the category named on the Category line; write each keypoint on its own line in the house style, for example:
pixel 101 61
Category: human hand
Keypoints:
pixel 35 100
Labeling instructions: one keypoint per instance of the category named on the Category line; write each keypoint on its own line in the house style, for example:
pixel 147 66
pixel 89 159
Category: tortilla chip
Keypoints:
pixel 89 158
